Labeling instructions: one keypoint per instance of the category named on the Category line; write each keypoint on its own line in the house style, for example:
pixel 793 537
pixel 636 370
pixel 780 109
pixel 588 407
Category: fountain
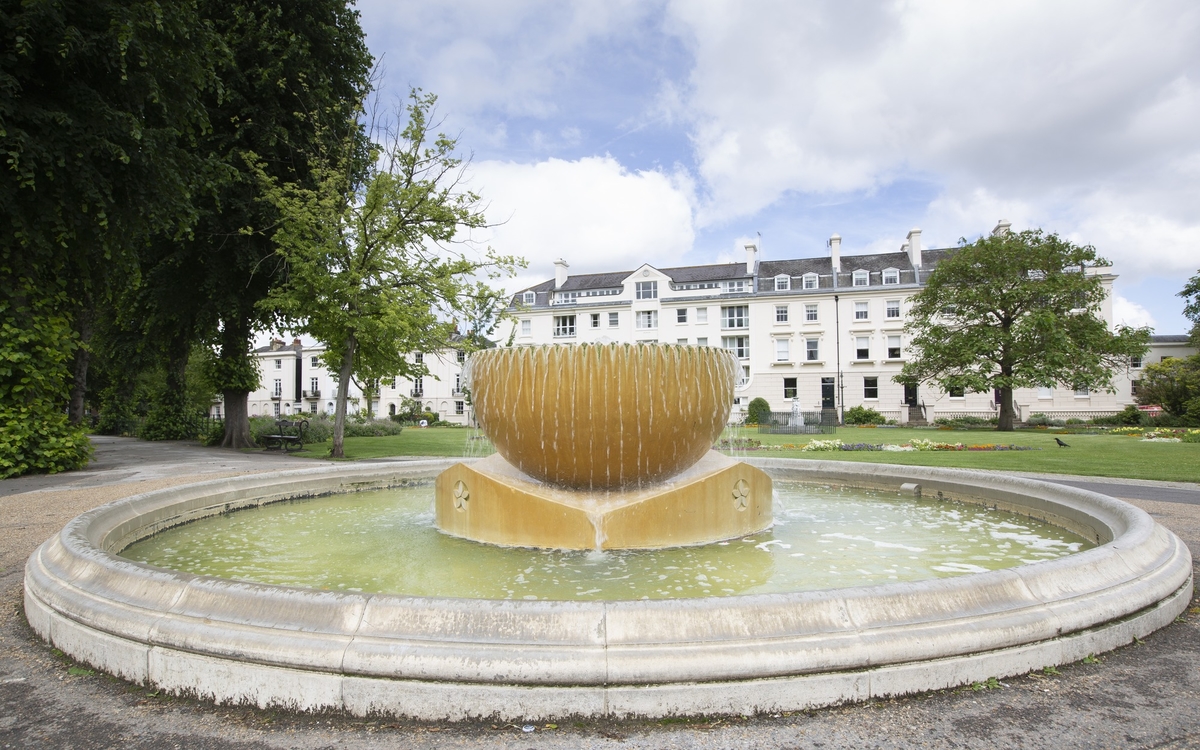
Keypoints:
pixel 604 447
pixel 610 449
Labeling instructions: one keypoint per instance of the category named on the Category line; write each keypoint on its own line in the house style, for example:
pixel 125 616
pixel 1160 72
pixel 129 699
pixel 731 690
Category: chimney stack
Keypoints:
pixel 835 252
pixel 560 273
pixel 914 247
pixel 751 257
pixel 1002 228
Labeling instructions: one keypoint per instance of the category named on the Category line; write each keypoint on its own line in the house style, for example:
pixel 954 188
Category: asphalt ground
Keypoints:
pixel 1140 696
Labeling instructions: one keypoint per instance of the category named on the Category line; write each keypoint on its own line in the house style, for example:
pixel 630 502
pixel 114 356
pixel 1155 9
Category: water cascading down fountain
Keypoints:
pixel 603 446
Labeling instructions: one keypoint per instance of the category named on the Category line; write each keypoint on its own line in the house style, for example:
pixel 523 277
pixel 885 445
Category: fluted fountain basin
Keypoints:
pixel 450 658
pixel 602 416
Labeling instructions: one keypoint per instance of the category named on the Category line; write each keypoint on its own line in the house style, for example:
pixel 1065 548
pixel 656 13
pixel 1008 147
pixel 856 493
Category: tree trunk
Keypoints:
pixel 235 341
pixel 83 357
pixel 339 420
pixel 237 420
pixel 1006 409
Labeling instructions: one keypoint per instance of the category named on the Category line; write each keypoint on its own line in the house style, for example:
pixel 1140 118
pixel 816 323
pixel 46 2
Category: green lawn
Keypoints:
pixel 1090 455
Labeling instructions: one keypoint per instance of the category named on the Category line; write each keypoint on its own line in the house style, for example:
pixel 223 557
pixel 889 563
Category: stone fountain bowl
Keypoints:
pixel 602 416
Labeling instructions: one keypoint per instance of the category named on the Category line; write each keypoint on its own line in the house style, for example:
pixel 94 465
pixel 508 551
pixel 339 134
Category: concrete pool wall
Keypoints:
pixel 442 658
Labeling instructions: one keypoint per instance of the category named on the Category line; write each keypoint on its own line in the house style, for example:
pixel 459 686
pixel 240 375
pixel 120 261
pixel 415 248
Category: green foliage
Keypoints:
pixel 1191 295
pixel 966 421
pixel 1130 416
pixel 758 411
pixel 1020 309
pixel 368 274
pixel 1173 384
pixel 373 428
pixel 1041 420
pixel 863 415
pixel 34 433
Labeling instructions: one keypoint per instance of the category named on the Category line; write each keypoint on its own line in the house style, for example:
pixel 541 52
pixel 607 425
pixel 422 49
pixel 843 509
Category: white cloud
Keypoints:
pixel 1130 313
pixel 1078 117
pixel 593 213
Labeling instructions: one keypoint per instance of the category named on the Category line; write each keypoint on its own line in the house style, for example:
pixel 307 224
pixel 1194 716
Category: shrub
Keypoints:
pixel 863 415
pixel 213 435
pixel 758 412
pixel 1074 420
pixel 373 428
pixel 1130 417
pixel 1041 420
pixel 966 421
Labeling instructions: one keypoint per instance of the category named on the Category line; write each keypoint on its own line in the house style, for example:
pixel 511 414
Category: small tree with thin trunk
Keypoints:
pixel 372 268
pixel 1016 310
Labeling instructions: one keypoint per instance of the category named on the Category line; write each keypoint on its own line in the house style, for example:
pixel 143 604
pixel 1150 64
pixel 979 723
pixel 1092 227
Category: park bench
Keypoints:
pixel 290 435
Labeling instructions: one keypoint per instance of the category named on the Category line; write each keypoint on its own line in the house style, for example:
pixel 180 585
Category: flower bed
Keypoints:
pixel 914 445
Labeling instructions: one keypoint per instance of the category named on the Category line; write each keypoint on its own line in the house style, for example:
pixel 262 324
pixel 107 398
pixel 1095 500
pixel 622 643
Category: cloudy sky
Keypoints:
pixel 612 133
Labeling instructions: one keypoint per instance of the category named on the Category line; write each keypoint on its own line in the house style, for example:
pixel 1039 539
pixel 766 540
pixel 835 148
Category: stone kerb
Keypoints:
pixel 273 645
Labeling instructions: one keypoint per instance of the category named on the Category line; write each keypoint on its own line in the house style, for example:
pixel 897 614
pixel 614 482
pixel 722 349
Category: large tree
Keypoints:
pixel 1013 310
pixel 99 107
pixel 294 79
pixel 373 269
pixel 1191 296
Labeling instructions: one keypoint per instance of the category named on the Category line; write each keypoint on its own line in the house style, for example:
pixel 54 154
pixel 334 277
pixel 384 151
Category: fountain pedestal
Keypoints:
pixel 492 501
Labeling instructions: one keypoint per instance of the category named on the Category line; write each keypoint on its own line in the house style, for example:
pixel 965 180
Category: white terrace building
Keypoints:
pixel 820 333
pixel 294 380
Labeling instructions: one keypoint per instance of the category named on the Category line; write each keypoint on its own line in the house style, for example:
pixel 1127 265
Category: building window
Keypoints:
pixel 702 341
pixel 459 407
pixel 564 325
pixel 595 320
pixel 810 281
pixel 739 345
pixel 315 387
pixel 701 314
pixel 871 388
pixel 418 358
pixel 1045 393
pixel 893 309
pixel 312 407
pixel 735 317
pixel 316 362
pixel 1135 361
pixel 735 287
pixel 418 389
pixel 893 347
pixel 276 405
pixel 681 315
pixel 461 355
pixel 862 347
pixel 458 383
pixel 646 319
pixel 783 283
pixel 1133 387
pixel 529 298
pixel 1081 391
pixel 862 278
pixel 956 392
pixel 860 310
pixel 812 351
pixel 613 319
pixel 781 313
pixel 526 327
pixel 810 313
pixel 279 364
pixel 789 388
pixel 646 289
pixel 891 276
pixel 681 342
pixel 278 387
pixel 782 350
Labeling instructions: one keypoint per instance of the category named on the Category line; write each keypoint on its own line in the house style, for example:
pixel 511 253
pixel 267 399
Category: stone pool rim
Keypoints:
pixel 440 658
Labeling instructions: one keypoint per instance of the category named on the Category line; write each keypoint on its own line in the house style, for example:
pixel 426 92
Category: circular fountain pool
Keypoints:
pixel 824 537
pixel 437 657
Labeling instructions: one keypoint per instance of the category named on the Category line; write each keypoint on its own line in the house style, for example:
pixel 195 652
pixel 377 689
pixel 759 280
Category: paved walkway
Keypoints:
pixel 1141 696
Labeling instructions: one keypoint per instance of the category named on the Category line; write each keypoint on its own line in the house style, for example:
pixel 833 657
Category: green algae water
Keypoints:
pixel 386 542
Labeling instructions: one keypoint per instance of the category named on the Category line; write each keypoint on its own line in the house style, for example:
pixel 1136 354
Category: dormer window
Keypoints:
pixel 862 278
pixel 529 298
pixel 810 281
pixel 891 276
pixel 647 289
pixel 735 287
pixel 783 283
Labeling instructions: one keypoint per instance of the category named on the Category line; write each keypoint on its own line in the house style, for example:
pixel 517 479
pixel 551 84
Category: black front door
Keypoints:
pixel 910 394
pixel 827 399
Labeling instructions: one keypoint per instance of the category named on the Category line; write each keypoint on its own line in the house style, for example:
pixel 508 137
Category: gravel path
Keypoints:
pixel 1141 696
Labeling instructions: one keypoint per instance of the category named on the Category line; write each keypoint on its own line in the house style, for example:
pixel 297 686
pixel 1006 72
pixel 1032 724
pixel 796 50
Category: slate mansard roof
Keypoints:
pixel 767 269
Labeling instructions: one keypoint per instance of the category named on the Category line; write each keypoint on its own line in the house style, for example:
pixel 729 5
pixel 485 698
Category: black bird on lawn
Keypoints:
pixel 1061 444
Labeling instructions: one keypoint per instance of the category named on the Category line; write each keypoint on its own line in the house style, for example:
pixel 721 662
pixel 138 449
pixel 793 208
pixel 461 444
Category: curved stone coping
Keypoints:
pixel 275 645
